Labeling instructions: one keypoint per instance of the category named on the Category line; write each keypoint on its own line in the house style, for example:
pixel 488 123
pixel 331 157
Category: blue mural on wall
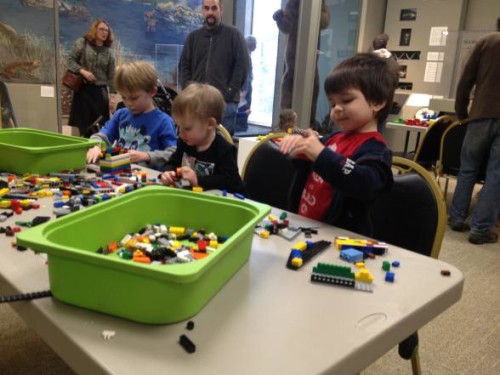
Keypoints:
pixel 152 30
pixel 144 29
pixel 27 50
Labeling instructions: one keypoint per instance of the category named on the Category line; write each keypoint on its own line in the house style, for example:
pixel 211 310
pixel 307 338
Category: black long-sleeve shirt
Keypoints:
pixel 215 167
pixel 357 180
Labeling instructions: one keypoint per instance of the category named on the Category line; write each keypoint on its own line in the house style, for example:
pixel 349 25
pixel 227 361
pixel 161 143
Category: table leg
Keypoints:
pixel 417 141
pixel 407 139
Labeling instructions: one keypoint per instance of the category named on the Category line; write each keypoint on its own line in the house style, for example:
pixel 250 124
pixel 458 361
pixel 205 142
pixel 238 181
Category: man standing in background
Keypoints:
pixel 245 104
pixel 216 54
pixel 481 143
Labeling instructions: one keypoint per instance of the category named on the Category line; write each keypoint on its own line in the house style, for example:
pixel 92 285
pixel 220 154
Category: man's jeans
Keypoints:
pixel 482 138
pixel 229 119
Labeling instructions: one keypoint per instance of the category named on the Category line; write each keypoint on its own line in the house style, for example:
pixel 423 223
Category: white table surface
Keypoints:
pixel 266 320
pixel 410 128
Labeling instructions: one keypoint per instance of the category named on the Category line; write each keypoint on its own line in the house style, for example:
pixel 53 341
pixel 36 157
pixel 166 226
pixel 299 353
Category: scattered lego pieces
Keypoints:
pixel 190 325
pixel 446 272
pixel 386 265
pixel 187 344
pixel 281 227
pixel 396 264
pixel 389 277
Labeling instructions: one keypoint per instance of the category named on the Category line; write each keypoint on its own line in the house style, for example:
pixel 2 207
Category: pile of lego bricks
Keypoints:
pixel 162 244
pixel 69 191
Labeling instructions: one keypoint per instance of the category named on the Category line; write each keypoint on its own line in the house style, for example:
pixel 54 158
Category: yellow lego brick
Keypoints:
pixel 300 246
pixel 5 204
pixel 364 276
pixel 177 230
pixel 264 234
pixel 4 191
pixel 297 262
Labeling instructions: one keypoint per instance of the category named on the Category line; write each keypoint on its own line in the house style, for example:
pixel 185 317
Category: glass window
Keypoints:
pixel 337 42
pixel 264 61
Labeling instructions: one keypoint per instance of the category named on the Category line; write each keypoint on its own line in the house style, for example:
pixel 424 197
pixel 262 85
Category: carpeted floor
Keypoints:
pixel 463 340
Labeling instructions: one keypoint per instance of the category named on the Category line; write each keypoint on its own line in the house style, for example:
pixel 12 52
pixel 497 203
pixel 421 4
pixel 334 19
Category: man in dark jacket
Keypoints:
pixel 482 141
pixel 216 54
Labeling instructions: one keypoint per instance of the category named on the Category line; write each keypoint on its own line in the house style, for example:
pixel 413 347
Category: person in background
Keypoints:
pixel 145 131
pixel 205 157
pixel 379 47
pixel 287 21
pixel 288 120
pixel 92 57
pixel 245 104
pixel 339 176
pixel 216 54
pixel 481 143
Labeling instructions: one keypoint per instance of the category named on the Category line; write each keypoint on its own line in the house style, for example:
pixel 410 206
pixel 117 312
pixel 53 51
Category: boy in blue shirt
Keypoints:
pixel 145 131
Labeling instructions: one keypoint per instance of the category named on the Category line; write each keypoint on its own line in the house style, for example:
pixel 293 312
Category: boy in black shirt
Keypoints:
pixel 206 158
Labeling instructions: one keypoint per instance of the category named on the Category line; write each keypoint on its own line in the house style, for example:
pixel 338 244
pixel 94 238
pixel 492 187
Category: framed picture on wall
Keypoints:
pixel 402 71
pixel 408 14
pixel 405 38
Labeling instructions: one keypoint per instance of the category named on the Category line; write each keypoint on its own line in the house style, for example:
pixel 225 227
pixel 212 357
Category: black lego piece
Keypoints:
pixel 187 344
pixel 39 220
pixel 25 296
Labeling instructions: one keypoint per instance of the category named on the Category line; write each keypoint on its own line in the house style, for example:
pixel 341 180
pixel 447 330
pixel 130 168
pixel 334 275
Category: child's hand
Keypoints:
pixel 138 156
pixel 308 145
pixel 189 174
pixel 168 178
pixel 93 154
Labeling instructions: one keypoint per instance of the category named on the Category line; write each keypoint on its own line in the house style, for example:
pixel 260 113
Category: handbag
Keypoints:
pixel 73 81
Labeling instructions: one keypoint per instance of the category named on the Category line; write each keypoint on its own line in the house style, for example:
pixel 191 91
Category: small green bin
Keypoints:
pixel 146 293
pixel 26 150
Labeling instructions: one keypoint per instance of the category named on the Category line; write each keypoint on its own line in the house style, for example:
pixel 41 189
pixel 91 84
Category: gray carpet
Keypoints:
pixel 463 340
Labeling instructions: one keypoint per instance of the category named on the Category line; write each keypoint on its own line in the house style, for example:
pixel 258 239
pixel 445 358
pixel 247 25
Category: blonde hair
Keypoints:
pixel 200 101
pixel 135 76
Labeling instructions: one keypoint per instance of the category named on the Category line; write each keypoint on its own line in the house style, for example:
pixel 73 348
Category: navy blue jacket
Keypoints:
pixel 370 175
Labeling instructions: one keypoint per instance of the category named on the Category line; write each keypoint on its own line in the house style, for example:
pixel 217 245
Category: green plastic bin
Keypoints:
pixel 26 150
pixel 146 293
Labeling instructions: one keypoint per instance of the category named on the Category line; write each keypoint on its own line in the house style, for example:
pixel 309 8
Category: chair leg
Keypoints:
pixel 415 363
pixel 446 187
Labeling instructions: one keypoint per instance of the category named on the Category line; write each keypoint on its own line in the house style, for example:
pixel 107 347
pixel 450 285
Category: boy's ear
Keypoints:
pixel 212 122
pixel 378 106
pixel 153 91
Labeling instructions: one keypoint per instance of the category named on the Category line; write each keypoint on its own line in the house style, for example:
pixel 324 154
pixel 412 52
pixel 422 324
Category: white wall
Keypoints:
pixel 482 15
pixel 35 106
